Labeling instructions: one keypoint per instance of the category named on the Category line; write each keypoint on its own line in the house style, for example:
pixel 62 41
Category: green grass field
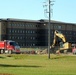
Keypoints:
pixel 23 64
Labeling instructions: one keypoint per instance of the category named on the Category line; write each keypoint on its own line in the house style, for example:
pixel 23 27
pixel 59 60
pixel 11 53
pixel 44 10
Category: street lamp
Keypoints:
pixel 49 24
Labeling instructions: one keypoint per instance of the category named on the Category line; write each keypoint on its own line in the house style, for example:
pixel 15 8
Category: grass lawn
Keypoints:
pixel 23 64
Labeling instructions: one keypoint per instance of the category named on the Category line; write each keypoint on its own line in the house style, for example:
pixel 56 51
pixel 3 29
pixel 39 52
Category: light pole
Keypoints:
pixel 49 11
pixel 49 24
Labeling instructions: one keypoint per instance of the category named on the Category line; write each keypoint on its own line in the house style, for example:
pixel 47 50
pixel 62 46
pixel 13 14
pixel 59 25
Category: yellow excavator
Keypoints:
pixel 65 45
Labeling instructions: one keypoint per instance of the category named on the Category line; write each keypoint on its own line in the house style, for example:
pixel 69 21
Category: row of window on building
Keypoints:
pixel 23 44
pixel 35 31
pixel 23 25
pixel 32 25
pixel 29 38
pixel 21 31
pixel 21 38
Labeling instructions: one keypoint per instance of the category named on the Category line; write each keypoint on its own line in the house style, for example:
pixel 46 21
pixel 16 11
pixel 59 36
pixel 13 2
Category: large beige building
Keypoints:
pixel 34 33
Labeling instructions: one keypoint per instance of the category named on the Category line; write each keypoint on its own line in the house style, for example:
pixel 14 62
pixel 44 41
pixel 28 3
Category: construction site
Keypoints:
pixel 33 34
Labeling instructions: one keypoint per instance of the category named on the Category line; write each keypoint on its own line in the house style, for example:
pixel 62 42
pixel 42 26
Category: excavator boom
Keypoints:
pixel 60 35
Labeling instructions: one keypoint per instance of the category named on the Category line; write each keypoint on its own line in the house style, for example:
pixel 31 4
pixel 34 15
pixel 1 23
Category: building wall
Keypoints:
pixel 34 34
pixel 23 32
pixel 4 30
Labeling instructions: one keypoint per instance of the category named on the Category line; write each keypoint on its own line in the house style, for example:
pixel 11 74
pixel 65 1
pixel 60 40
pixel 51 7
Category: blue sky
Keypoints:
pixel 63 10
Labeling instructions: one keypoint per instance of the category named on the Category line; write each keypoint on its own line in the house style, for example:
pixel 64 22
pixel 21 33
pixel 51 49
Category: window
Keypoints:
pixel 66 32
pixel 52 32
pixel 33 31
pixel 20 37
pixel 33 38
pixel 23 25
pixel 26 37
pixel 18 31
pixel 59 27
pixel 9 37
pixel 14 24
pixel 9 24
pixel 70 33
pixel 74 33
pixel 33 25
pixel 55 27
pixel 23 44
pixel 30 31
pixel 33 44
pixel 12 31
pixel 15 31
pixel 26 31
pixel 23 31
pixel 12 37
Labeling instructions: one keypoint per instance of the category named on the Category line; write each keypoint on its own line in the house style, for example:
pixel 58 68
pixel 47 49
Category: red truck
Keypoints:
pixel 9 46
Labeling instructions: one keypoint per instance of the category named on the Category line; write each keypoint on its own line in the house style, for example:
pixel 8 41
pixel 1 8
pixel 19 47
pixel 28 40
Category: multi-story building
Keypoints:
pixel 34 33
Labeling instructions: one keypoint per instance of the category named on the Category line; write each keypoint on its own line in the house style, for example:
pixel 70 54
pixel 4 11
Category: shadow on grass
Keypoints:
pixel 58 57
pixel 6 65
pixel 2 57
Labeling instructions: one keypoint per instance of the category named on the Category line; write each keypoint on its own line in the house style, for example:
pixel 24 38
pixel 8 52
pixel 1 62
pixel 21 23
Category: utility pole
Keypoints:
pixel 49 24
pixel 49 11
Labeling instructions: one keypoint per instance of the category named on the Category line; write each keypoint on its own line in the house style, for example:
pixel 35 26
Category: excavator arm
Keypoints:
pixel 60 35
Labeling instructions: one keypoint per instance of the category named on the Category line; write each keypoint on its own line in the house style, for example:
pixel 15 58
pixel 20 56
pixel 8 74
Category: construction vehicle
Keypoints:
pixel 64 45
pixel 9 46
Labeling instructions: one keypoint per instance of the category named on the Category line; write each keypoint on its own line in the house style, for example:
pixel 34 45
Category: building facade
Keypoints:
pixel 34 33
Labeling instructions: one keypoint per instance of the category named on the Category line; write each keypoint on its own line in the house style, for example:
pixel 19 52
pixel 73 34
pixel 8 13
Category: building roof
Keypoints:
pixel 54 21
pixel 38 21
pixel 14 19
